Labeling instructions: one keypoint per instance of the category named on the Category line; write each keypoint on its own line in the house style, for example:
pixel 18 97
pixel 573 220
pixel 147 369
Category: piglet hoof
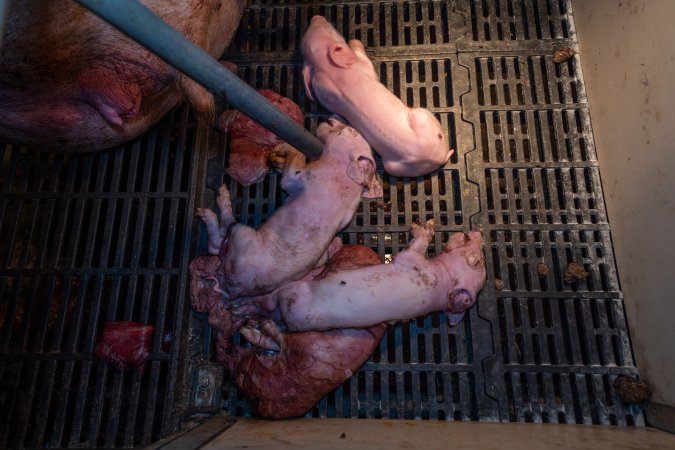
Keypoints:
pixel 207 216
pixel 225 205
pixel 278 157
pixel 259 336
pixel 425 231
pixel 271 329
pixel 223 196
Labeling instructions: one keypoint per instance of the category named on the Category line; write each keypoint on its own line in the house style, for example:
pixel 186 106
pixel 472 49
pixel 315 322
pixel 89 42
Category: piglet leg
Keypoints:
pixel 212 228
pixel 217 228
pixel 422 236
pixel 415 253
pixel 225 206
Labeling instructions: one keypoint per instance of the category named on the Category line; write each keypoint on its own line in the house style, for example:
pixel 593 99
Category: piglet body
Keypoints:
pixel 342 78
pixel 410 287
pixel 304 366
pixel 284 374
pixel 323 196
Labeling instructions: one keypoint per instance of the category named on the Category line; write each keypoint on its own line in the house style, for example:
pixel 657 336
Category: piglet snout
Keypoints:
pixel 318 19
pixel 459 300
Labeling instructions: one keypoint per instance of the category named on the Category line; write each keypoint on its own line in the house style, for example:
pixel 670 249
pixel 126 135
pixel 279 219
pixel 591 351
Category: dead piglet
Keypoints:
pixel 288 373
pixel 410 141
pixel 323 196
pixel 225 317
pixel 411 286
pixel 71 82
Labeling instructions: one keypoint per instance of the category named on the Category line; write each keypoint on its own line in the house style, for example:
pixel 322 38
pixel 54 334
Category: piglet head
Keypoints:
pixel 345 143
pixel 323 48
pixel 465 262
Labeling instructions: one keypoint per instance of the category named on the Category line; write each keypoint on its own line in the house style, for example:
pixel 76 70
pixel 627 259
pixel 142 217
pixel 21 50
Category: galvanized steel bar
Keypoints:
pixel 149 30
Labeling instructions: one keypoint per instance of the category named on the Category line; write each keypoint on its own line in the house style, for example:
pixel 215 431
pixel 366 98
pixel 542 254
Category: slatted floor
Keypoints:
pixel 88 239
pixel 108 236
pixel 535 348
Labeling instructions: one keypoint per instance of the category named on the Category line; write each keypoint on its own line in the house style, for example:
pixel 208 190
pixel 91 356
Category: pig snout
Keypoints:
pixel 468 264
pixel 460 300
pixel 318 20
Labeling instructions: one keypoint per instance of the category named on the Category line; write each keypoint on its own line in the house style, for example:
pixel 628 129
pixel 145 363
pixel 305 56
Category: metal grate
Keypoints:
pixel 527 80
pixel 269 27
pixel 557 346
pixel 535 349
pixel 520 19
pixel 89 239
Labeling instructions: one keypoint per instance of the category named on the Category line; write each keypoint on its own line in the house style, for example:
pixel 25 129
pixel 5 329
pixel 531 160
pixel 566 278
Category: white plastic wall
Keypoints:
pixel 628 59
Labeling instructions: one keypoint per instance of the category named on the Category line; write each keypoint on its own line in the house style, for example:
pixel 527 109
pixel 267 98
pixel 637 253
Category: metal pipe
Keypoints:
pixel 149 30
pixel 4 12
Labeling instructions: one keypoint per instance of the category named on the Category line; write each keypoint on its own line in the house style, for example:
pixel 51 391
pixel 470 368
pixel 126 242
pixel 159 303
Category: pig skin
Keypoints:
pixel 410 141
pixel 304 366
pixel 323 196
pixel 410 287
pixel 250 142
pixel 71 82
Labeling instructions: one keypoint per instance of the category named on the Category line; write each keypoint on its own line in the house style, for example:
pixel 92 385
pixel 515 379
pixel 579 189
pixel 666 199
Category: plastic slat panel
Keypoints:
pixel 78 252
pixel 539 200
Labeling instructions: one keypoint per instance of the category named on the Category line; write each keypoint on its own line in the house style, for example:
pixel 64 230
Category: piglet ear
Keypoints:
pixel 342 56
pixel 454 318
pixel 307 78
pixel 362 171
pixel 373 190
